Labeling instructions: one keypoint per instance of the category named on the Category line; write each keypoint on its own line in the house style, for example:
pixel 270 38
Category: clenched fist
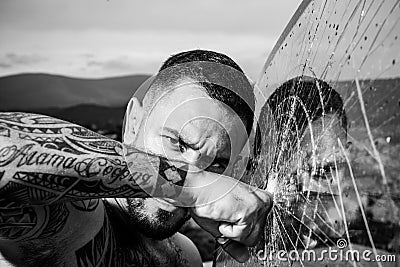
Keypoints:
pixel 230 209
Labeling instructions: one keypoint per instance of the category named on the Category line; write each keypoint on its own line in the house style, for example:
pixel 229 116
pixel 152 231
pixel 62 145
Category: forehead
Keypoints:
pixel 323 134
pixel 191 112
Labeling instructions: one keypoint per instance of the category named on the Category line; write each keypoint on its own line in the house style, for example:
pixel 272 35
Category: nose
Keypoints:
pixel 198 158
pixel 192 156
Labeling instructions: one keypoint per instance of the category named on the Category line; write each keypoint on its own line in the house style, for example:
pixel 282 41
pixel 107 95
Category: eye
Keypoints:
pixel 322 172
pixel 176 143
pixel 173 140
pixel 217 167
pixel 182 148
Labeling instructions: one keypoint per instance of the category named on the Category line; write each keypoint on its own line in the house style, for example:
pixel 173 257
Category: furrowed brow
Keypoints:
pixel 182 138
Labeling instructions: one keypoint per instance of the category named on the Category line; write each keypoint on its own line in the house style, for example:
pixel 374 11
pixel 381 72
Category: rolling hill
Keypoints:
pixel 98 104
pixel 30 92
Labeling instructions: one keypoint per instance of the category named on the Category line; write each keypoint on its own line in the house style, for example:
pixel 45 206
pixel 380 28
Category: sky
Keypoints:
pixel 104 38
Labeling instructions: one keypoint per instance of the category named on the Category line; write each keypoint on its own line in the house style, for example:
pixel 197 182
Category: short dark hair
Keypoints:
pixel 307 99
pixel 200 55
pixel 313 97
pixel 241 102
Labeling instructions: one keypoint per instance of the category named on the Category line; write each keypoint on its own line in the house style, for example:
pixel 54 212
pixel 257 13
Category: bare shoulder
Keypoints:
pixel 4 262
pixel 189 250
pixel 43 235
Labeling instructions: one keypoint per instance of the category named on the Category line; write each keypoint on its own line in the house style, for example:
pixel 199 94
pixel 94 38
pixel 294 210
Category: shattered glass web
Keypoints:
pixel 354 192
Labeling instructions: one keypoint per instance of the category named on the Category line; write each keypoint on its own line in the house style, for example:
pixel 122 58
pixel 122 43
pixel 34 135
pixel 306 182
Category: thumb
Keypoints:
pixel 236 250
pixel 233 231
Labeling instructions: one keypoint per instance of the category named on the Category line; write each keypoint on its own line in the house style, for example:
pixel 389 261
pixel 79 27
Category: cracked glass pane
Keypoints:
pixel 328 141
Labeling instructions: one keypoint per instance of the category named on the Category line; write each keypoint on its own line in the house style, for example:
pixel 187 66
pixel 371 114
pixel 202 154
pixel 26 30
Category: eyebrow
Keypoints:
pixel 222 158
pixel 181 138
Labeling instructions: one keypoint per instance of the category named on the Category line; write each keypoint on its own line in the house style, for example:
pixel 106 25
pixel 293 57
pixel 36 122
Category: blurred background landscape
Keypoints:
pixel 98 104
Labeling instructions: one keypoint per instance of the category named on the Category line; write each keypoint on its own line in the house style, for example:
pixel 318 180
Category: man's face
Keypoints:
pixel 322 172
pixel 185 125
pixel 311 178
pixel 323 162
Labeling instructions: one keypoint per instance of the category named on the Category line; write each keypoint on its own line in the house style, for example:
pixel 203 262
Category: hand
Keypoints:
pixel 229 208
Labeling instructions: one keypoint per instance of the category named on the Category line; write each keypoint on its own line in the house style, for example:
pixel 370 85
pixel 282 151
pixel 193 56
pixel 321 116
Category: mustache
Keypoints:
pixel 159 225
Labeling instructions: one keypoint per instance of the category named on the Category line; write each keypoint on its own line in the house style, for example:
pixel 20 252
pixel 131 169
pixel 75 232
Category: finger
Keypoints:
pixel 208 225
pixel 239 233
pixel 237 251
pixel 265 197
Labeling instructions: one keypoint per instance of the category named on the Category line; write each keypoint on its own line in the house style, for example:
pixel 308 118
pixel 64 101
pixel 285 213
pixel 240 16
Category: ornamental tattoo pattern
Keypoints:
pixel 54 162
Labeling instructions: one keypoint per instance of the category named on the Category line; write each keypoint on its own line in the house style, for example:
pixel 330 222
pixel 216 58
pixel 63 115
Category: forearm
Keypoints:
pixel 44 160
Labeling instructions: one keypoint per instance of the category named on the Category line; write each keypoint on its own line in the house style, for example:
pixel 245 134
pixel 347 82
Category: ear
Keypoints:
pixel 132 120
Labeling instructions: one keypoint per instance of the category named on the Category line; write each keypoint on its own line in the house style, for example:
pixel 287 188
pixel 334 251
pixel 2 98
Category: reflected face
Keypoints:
pixel 322 172
pixel 323 161
pixel 186 125
pixel 311 177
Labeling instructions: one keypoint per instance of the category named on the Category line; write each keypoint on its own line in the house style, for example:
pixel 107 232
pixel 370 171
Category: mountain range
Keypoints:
pixel 94 103
pixel 41 91
pixel 100 103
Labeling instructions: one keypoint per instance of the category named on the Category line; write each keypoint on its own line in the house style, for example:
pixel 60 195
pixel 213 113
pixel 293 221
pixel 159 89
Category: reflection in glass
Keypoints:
pixel 329 132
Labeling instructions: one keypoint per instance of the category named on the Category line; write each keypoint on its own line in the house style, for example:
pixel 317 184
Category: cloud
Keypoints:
pixel 87 55
pixel 22 59
pixel 123 53
pixel 102 38
pixel 5 65
pixel 233 16
pixel 120 64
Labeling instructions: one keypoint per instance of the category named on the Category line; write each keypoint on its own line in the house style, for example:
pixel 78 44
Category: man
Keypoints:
pixel 54 176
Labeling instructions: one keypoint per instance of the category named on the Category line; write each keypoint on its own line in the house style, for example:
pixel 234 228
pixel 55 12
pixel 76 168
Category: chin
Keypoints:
pixel 154 222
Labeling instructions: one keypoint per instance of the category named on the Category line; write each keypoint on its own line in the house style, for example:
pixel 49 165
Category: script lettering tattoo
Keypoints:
pixel 89 162
pixel 88 167
pixel 26 156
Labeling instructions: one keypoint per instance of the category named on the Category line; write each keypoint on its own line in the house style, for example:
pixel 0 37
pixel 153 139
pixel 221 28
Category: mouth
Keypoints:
pixel 317 195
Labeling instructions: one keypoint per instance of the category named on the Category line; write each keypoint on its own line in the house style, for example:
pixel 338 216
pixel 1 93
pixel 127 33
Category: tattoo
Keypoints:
pixel 77 164
pixel 171 173
pixel 43 188
pixel 45 162
pixel 172 176
pixel 58 215
pixel 4 132
pixel 98 250
pixel 103 250
pixel 29 223
pixel 106 248
pixel 88 167
pixel 86 205
pixel 26 156
pixel 17 222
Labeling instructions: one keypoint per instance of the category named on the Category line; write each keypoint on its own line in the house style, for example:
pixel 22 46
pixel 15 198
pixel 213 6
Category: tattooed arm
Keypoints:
pixel 44 160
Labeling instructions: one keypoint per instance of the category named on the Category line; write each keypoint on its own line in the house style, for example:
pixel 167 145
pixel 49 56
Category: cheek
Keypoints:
pixel 237 167
pixel 152 143
pixel 152 206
